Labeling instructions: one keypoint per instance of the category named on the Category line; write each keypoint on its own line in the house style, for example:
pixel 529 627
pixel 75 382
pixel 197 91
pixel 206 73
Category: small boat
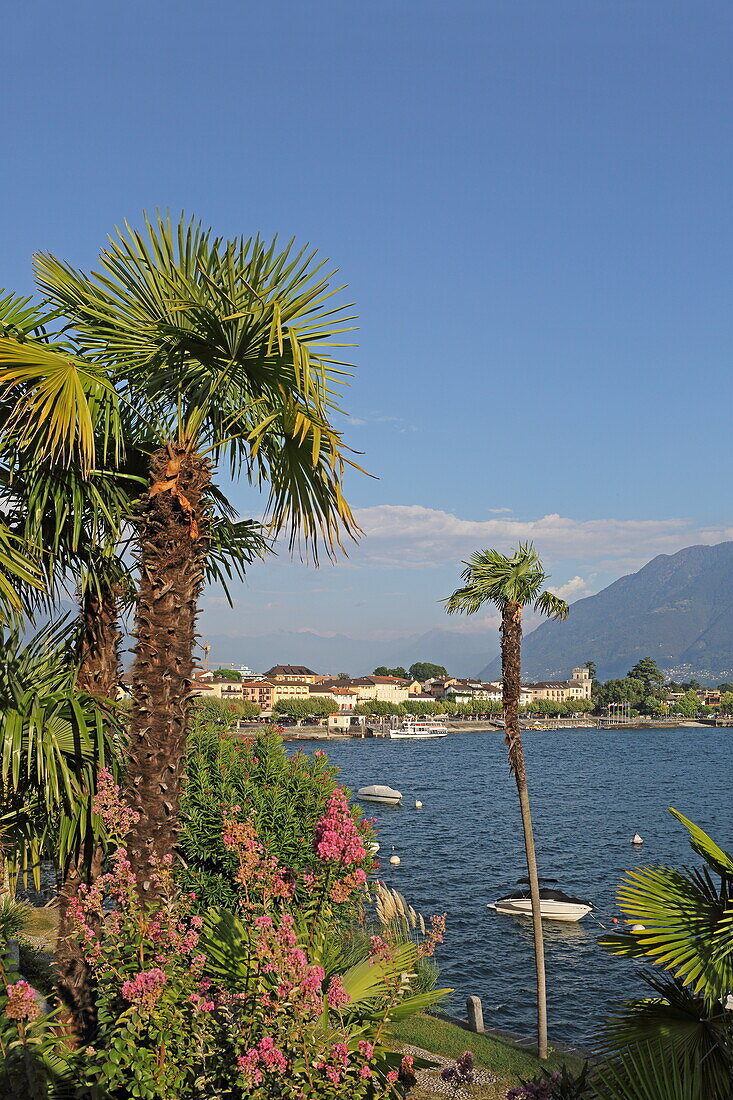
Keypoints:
pixel 413 730
pixel 376 792
pixel 554 905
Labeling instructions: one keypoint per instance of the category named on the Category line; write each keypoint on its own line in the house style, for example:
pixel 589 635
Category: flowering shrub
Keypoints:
pixel 252 1004
pixel 27 1038
pixel 154 1026
pixel 283 797
pixel 460 1075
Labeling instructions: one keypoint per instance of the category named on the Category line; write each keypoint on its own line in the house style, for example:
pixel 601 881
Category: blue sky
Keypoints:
pixel 531 203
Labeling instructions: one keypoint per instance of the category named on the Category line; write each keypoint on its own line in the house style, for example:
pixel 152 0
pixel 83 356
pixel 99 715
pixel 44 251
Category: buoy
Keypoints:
pixel 395 861
pixel 636 839
pixel 638 928
pixel 418 804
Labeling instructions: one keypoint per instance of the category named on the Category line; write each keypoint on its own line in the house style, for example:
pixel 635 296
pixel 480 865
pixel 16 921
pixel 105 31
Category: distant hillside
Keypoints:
pixel 678 609
pixel 461 653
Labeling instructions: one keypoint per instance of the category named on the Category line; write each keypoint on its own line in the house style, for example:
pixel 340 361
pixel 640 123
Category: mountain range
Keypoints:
pixel 677 609
pixel 331 654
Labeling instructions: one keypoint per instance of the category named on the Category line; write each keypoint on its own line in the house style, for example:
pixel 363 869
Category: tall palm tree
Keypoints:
pixel 511 584
pixel 82 520
pixel 224 351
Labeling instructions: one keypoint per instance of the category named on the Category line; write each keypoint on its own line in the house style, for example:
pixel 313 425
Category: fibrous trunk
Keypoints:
pixel 99 644
pixel 511 662
pixel 99 675
pixel 172 541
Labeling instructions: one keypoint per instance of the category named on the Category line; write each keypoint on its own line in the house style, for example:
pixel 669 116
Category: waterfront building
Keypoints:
pixel 562 691
pixel 225 689
pixel 260 692
pixel 344 698
pixel 385 689
pixel 289 689
pixel 291 674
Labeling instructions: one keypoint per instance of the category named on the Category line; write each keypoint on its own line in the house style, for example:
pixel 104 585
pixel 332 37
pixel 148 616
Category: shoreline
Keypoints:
pixel 320 733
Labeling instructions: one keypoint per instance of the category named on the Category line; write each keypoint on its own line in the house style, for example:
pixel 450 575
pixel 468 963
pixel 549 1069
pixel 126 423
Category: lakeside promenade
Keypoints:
pixel 308 732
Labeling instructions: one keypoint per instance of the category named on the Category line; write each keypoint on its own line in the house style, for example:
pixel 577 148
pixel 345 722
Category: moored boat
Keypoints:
pixel 554 905
pixel 378 792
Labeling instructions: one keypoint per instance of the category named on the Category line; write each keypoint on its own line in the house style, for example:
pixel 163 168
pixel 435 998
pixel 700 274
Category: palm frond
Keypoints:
pixel 680 1028
pixel 224 347
pixel 499 579
pixel 233 545
pixel 552 606
pixel 58 401
pixel 20 574
pixel 53 740
pixel 687 920
pixel 720 860
pixel 19 317
pixel 642 1073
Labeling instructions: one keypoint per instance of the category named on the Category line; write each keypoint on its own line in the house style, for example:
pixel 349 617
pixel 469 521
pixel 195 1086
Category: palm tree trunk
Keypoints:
pixel 99 658
pixel 99 644
pixel 172 549
pixel 511 663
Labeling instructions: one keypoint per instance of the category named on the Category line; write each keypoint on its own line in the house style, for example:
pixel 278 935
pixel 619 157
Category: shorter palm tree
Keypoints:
pixel 510 584
pixel 684 1030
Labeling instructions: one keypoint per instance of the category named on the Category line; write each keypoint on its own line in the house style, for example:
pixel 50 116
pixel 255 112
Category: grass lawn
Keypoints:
pixel 504 1061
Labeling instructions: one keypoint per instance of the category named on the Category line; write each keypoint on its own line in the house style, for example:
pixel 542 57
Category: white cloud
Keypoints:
pixel 572 589
pixel 411 535
pixel 500 511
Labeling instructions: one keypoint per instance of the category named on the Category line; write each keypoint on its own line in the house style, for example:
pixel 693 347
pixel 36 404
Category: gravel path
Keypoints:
pixel 431 1080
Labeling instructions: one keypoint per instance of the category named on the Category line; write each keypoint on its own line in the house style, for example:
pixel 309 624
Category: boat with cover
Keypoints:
pixel 418 730
pixel 377 792
pixel 554 905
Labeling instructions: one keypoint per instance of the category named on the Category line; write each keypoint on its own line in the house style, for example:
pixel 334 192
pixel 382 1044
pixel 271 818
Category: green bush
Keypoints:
pixel 284 796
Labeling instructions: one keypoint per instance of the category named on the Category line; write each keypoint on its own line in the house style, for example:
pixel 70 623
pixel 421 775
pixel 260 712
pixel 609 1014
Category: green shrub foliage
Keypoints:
pixel 284 797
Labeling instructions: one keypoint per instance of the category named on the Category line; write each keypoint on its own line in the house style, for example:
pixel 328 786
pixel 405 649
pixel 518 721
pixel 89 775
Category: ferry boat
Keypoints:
pixel 418 730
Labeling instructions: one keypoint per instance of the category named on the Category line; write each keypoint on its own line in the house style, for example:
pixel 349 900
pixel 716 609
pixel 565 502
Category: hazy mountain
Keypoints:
pixel 678 609
pixel 460 653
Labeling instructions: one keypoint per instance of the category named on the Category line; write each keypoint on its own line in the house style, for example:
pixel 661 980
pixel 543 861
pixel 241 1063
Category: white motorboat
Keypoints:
pixel 554 905
pixel 376 792
pixel 418 731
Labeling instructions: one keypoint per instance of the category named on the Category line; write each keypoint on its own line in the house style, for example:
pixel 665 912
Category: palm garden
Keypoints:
pixel 215 934
pixel 126 399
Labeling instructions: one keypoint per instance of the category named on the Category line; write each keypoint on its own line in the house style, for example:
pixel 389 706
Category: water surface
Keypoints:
pixel 590 791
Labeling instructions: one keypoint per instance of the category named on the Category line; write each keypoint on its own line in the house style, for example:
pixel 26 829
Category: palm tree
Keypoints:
pixel 81 518
pixel 684 922
pixel 510 584
pixel 53 740
pixel 221 350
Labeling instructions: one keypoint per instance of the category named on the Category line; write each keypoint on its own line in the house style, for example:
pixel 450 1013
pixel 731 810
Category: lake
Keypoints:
pixel 590 791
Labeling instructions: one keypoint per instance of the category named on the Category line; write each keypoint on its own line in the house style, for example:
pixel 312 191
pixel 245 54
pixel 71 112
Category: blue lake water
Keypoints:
pixel 590 791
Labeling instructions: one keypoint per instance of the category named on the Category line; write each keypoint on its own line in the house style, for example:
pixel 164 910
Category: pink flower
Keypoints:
pixel 365 1048
pixel 117 816
pixel 336 837
pixel 145 988
pixel 336 995
pixel 22 1003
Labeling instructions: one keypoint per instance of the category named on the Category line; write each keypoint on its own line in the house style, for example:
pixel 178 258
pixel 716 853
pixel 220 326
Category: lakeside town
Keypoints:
pixel 298 693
